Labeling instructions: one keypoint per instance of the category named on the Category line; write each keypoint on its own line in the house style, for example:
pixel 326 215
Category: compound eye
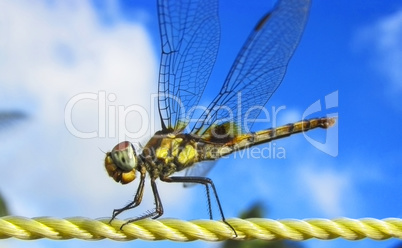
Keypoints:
pixel 124 156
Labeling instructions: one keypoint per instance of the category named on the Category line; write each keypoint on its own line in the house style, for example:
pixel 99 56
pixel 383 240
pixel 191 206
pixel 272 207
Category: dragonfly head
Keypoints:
pixel 121 162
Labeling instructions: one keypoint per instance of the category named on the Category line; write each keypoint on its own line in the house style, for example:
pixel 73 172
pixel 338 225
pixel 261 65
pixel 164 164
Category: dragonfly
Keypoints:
pixel 190 35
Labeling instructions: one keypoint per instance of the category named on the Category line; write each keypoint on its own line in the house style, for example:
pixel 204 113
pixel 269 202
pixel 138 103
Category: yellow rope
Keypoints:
pixel 210 230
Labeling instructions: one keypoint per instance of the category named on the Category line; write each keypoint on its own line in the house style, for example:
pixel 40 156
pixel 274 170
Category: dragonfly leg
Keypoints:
pixel 158 204
pixel 156 213
pixel 204 181
pixel 137 199
pixel 209 201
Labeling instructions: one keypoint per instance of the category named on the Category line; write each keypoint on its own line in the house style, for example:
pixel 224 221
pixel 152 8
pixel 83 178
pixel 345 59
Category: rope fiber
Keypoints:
pixel 209 230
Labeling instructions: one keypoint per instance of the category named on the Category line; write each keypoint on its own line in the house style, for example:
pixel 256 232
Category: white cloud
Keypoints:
pixel 326 187
pixel 384 38
pixel 50 52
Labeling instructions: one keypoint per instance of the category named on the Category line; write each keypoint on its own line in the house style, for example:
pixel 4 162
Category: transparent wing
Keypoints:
pixel 258 69
pixel 200 170
pixel 190 39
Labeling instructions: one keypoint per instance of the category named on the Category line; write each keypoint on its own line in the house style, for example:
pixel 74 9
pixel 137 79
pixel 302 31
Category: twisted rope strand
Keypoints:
pixel 209 230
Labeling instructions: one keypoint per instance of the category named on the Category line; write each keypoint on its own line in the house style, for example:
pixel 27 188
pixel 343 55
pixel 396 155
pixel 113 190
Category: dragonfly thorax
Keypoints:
pixel 121 162
pixel 167 153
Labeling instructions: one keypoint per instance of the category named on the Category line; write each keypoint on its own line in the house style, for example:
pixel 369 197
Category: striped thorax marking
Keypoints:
pixel 173 153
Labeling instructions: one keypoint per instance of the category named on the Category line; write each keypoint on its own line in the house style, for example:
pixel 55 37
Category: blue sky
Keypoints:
pixel 52 52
